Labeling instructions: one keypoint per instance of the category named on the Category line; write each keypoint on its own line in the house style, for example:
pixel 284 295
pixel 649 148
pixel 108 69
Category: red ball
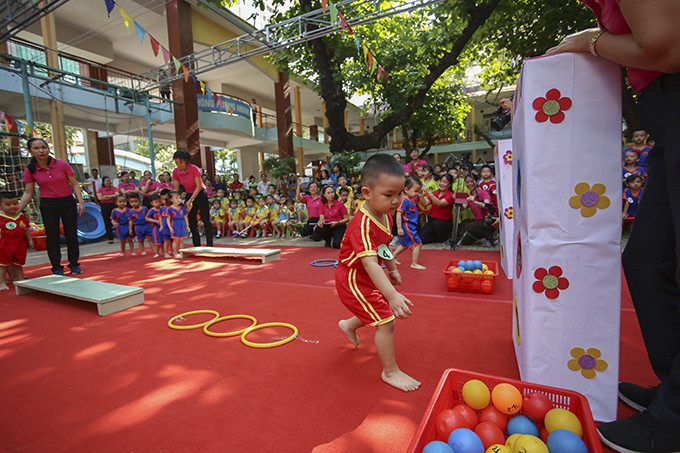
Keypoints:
pixel 543 432
pixel 490 434
pixel 468 414
pixel 448 421
pixel 536 405
pixel 492 415
pixel 450 268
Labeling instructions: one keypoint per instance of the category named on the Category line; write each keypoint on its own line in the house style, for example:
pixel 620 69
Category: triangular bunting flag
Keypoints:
pixel 358 41
pixel 110 4
pixel 324 3
pixel 215 98
pixel 334 12
pixel 177 64
pixel 34 133
pixel 380 71
pixel 365 49
pixel 186 73
pixel 196 82
pixel 127 19
pixel 231 111
pixel 140 32
pixel 154 46
pixel 370 60
pixel 221 105
pixel 208 91
pixel 202 84
pixel 2 116
pixel 20 126
pixel 10 122
pixel 343 21
pixel 166 55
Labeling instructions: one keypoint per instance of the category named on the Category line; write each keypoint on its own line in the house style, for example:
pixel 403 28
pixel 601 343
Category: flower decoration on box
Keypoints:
pixel 588 361
pixel 550 281
pixel 509 213
pixel 507 157
pixel 589 199
pixel 551 106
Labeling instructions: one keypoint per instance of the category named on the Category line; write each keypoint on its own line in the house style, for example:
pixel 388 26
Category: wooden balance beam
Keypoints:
pixel 267 255
pixel 109 297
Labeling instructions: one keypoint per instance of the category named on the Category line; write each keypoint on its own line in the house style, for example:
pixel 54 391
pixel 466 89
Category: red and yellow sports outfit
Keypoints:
pixel 12 240
pixel 356 289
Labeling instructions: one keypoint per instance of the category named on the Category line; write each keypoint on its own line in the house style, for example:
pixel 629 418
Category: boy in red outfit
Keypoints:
pixel 14 239
pixel 362 285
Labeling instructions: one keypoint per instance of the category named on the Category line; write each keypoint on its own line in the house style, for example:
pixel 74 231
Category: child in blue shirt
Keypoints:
pixel 407 221
pixel 632 195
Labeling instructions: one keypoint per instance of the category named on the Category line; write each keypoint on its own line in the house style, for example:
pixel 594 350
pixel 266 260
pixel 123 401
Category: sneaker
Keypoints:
pixel 75 270
pixel 637 397
pixel 641 433
pixel 58 272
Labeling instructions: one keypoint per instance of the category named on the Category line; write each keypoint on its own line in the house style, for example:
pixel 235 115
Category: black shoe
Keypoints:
pixel 637 397
pixel 75 270
pixel 328 244
pixel 58 271
pixel 641 433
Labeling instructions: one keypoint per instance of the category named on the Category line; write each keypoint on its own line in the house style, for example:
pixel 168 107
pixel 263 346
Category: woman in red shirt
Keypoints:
pixel 57 183
pixel 438 228
pixel 106 195
pixel 189 176
pixel 333 218
pixel 313 202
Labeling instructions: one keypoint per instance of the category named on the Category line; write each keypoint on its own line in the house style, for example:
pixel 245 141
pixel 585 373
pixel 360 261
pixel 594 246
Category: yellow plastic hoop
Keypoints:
pixel 193 326
pixel 228 334
pixel 274 343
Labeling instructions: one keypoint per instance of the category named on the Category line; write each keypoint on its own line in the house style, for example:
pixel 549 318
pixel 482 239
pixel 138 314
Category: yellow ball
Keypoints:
pixel 563 419
pixel 476 394
pixel 477 271
pixel 526 443
pixel 467 272
pixel 498 448
pixel 485 267
pixel 457 270
pixel 510 441
pixel 487 272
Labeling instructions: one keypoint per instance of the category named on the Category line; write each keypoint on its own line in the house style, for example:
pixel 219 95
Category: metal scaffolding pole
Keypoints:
pixel 16 15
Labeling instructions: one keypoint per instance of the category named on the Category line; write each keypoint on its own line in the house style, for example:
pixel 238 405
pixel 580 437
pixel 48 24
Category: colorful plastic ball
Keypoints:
pixel 488 272
pixel 510 441
pixel 457 270
pixel 478 264
pixel 485 267
pixel 470 265
pixel 476 394
pixel 487 286
pixel 437 446
pixel 448 421
pixel 522 425
pixel 461 264
pixel 563 441
pixel 544 434
pixel 492 415
pixel 465 440
pixel 477 271
pixel 451 268
pixel 498 448
pixel 506 398
pixel 467 272
pixel 468 414
pixel 563 419
pixel 529 444
pixel 536 405
pixel 490 434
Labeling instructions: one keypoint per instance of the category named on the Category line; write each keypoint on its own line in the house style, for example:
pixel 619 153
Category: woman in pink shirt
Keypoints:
pixel 189 176
pixel 106 195
pixel 333 218
pixel 416 161
pixel 148 187
pixel 479 202
pixel 643 35
pixel 165 181
pixel 57 185
pixel 313 202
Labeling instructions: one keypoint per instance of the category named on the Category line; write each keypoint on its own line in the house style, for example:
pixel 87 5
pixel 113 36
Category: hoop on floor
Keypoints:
pixel 273 343
pixel 325 263
pixel 228 334
pixel 193 326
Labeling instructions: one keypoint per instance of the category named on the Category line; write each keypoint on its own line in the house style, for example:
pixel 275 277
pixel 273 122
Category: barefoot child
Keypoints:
pixel 122 222
pixel 14 239
pixel 142 228
pixel 153 216
pixel 166 235
pixel 361 283
pixel 407 222
pixel 178 219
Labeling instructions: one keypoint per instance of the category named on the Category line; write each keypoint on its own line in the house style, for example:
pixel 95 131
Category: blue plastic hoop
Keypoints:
pixel 326 263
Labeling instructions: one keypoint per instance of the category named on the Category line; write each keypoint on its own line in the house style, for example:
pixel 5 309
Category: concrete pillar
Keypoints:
pixel 260 158
pixel 208 161
pixel 362 126
pixel 181 40
pixel 284 119
pixel 49 33
pixel 90 145
pixel 247 163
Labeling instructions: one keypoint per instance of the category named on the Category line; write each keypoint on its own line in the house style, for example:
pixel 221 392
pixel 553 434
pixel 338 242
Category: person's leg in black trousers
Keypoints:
pixel 69 217
pixel 107 208
pixel 652 255
pixel 50 217
pixel 201 205
pixel 308 229
pixel 324 233
pixel 337 234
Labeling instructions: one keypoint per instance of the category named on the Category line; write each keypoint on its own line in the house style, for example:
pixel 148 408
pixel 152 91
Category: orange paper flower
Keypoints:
pixel 589 362
pixel 589 199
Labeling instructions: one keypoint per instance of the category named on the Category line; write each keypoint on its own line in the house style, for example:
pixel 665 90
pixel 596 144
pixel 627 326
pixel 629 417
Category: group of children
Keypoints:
pixel 635 172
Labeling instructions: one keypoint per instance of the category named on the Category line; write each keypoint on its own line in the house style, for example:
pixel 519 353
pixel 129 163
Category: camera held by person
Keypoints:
pixel 503 115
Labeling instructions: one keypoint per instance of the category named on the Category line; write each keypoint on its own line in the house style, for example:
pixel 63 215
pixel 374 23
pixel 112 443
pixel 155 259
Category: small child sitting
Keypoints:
pixel 234 216
pixel 247 215
pixel 15 238
pixel 261 218
pixel 217 217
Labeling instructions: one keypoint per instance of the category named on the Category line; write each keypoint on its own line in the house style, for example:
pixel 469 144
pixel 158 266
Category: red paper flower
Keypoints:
pixel 551 106
pixel 550 281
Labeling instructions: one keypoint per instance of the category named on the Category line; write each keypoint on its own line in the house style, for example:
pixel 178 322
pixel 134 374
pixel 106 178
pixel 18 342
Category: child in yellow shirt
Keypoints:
pixel 247 214
pixel 261 219
pixel 217 217
pixel 234 216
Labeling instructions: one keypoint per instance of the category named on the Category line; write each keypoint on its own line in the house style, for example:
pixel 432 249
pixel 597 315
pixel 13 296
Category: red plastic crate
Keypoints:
pixel 449 393
pixel 471 283
pixel 40 242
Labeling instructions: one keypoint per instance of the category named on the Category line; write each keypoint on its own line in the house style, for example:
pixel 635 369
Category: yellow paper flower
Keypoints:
pixel 589 199
pixel 589 362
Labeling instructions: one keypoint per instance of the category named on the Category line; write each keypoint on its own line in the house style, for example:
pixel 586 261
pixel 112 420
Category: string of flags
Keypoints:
pixel 10 121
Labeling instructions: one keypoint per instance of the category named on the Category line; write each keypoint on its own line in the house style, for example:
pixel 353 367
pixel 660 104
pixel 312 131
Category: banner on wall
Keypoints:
pixel 567 212
pixel 206 103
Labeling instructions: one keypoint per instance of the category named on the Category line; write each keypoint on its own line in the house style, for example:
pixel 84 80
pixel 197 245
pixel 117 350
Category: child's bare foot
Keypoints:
pixel 351 334
pixel 132 253
pixel 417 266
pixel 396 261
pixel 122 254
pixel 3 287
pixel 143 253
pixel 400 380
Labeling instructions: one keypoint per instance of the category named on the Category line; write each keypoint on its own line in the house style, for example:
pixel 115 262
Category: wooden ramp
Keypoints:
pixel 267 255
pixel 109 297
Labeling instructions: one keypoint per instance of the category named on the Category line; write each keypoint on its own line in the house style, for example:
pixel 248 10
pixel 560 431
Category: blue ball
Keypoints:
pixel 464 440
pixel 522 425
pixel 478 265
pixel 437 446
pixel 563 441
pixel 461 264
pixel 470 265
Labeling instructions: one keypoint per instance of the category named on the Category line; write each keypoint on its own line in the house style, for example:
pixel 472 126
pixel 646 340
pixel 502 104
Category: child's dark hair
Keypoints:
pixel 489 167
pixel 428 168
pixel 632 178
pixel 411 180
pixel 123 173
pixel 135 196
pixel 119 196
pixel 32 164
pixel 173 193
pixel 165 192
pixel 250 198
pixel 154 196
pixel 182 155
pixel 344 190
pixel 8 195
pixel 380 164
